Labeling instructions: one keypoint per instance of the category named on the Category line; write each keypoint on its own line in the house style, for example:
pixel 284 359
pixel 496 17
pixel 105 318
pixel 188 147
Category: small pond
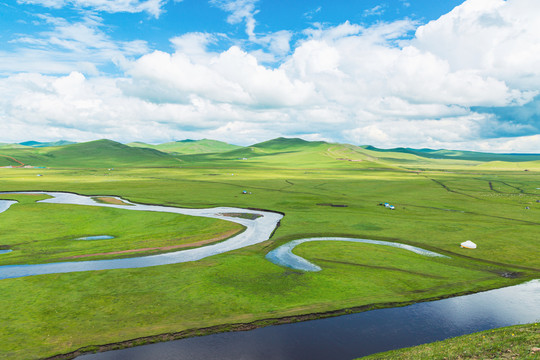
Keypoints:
pixel 97 237
pixel 5 251
pixel 355 335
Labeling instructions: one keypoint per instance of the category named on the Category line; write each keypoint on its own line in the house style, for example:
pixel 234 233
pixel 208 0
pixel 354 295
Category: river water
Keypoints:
pixel 283 255
pixel 256 230
pixel 355 335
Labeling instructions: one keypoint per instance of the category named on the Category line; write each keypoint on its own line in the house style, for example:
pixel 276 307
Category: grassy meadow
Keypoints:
pixel 513 342
pixel 439 204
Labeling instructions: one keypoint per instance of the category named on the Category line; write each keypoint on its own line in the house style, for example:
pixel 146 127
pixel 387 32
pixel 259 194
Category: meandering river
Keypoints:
pixel 283 255
pixel 258 229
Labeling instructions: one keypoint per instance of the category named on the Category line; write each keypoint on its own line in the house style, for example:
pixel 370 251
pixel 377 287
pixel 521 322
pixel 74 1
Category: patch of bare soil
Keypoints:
pixel 110 200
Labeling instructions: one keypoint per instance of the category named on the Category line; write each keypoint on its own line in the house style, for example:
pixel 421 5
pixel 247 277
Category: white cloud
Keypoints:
pixel 153 7
pixel 366 85
pixel 275 45
pixel 494 38
pixel 233 76
pixel 375 11
pixel 397 132
pixel 193 44
pixel 240 11
pixel 310 14
pixel 68 46
pixel 522 144
pixel 162 77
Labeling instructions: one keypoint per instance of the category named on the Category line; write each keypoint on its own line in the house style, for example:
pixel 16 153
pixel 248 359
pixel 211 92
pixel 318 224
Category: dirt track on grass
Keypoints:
pixel 12 158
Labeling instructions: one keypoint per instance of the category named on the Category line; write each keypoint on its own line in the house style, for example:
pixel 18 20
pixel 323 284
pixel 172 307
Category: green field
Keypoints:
pixel 514 342
pixel 439 204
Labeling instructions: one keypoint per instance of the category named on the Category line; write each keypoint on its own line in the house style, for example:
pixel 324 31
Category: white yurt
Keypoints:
pixel 468 245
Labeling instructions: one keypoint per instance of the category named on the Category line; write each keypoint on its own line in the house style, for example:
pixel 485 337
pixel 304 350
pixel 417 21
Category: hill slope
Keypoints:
pixel 108 153
pixel 204 146
pixel 279 152
pixel 99 153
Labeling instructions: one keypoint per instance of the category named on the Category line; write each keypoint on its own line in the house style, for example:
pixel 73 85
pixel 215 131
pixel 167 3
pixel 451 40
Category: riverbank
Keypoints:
pixel 197 332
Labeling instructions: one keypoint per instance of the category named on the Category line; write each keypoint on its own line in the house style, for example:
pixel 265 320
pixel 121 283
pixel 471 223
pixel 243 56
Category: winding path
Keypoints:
pixel 12 158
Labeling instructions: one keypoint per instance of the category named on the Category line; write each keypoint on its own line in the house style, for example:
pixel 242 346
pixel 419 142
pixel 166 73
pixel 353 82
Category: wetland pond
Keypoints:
pixel 97 237
pixel 355 335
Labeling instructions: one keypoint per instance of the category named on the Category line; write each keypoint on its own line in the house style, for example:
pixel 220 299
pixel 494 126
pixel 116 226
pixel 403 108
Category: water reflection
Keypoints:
pixel 355 335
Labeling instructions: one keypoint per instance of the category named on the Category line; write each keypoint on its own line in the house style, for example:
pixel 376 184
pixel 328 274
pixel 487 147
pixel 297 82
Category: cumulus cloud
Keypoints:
pixel 454 82
pixel 497 38
pixel 233 76
pixel 75 107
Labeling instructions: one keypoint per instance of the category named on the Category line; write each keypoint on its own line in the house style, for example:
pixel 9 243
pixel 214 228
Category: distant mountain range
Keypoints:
pixel 46 144
pixel 275 152
pixel 458 154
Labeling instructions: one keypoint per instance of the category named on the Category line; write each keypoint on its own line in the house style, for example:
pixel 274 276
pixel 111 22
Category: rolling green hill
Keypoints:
pixel 285 144
pixel 109 154
pixel 279 152
pixel 203 146
pixel 295 153
pixel 99 153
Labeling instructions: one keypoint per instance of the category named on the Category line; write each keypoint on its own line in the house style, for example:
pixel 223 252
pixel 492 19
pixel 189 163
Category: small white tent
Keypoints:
pixel 468 245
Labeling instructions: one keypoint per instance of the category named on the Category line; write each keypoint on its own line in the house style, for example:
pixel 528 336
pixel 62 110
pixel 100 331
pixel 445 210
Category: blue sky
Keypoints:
pixel 439 74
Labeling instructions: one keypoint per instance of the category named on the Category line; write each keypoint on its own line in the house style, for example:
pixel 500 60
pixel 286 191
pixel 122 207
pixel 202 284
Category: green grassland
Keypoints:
pixel 439 204
pixel 514 342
